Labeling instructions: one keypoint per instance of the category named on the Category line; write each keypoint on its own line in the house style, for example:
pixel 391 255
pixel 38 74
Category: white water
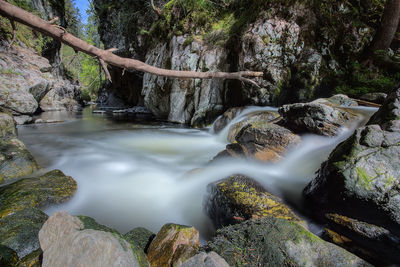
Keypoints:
pixel 132 174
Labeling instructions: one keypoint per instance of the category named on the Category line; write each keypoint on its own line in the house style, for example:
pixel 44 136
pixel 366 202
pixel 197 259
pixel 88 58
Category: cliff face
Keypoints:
pixel 300 45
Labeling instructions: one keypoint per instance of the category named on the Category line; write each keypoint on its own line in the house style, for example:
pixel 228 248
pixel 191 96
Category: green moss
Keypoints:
pixel 364 179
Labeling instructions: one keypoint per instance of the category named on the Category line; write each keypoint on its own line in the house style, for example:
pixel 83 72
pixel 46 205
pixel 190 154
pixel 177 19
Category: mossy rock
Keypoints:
pixel 19 231
pixel 173 245
pixel 32 260
pixel 51 188
pixel 138 251
pixel 277 242
pixel 240 198
pixel 8 257
pixel 141 237
pixel 7 126
pixel 15 160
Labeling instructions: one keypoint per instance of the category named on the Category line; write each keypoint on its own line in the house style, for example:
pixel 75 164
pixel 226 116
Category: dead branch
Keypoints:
pixel 54 20
pixel 104 67
pixel 73 58
pixel 14 13
pixel 158 12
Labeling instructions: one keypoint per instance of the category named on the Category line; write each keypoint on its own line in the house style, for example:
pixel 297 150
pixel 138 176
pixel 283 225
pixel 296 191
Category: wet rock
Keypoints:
pixel 360 180
pixel 203 259
pixel 15 160
pixel 359 237
pixel 65 242
pixel 378 98
pixel 314 118
pixel 239 198
pixel 50 188
pixel 32 260
pixel 133 240
pixel 8 257
pixel 23 119
pixel 141 237
pixel 337 101
pixel 173 245
pixel 19 231
pixel 223 120
pixel 7 126
pixel 277 242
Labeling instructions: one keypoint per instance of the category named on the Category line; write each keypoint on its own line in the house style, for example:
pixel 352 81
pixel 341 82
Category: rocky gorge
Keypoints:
pixel 216 191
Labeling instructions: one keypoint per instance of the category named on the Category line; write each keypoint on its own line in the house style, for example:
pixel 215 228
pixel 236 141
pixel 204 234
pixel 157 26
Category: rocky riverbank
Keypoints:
pixel 255 227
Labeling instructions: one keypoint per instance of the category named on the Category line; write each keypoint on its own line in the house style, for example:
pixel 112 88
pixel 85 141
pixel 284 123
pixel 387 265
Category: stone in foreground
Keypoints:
pixel 65 242
pixel 277 242
pixel 203 259
pixel 173 245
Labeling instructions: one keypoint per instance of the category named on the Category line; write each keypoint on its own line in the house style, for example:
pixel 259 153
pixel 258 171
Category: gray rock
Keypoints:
pixel 378 98
pixel 65 243
pixel 19 231
pixel 315 118
pixel 222 121
pixel 62 97
pixel 203 259
pixel 39 89
pixel 23 119
pixel 7 126
pixel 277 242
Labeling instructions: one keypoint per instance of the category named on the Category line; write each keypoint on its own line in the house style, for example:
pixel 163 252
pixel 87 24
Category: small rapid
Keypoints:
pixel 133 174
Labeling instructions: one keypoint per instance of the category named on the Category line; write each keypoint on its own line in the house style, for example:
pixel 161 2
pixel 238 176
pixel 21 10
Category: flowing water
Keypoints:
pixel 133 174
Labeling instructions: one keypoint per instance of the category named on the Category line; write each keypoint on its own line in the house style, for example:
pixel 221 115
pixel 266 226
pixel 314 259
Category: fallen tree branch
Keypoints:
pixel 14 34
pixel 104 67
pixel 14 13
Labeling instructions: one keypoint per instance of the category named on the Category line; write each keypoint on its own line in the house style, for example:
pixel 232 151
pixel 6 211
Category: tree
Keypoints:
pixel 387 29
pixel 106 56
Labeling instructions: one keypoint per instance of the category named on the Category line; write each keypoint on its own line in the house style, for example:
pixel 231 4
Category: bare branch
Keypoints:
pixel 14 34
pixel 24 17
pixel 54 20
pixel 73 58
pixel 104 67
pixel 155 8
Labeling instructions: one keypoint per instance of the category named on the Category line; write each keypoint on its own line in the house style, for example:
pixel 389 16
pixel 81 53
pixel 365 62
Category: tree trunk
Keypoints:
pixel 388 28
pixel 14 13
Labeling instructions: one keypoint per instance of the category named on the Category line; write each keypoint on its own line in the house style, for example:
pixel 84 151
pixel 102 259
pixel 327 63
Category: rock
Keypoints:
pixel 19 231
pixel 173 245
pixel 239 198
pixel 63 97
pixel 203 259
pixel 50 188
pixel 39 89
pixel 23 119
pixel 65 242
pixel 18 101
pixel 222 121
pixel 7 126
pixel 378 98
pixel 360 180
pixel 359 237
pixel 8 257
pixel 315 118
pixel 141 237
pixel 32 260
pixel 337 101
pixel 15 160
pixel 277 242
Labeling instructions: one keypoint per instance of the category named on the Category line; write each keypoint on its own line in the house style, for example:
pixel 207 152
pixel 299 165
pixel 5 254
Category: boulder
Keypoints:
pixel 337 101
pixel 50 188
pixel 23 119
pixel 203 259
pixel 65 242
pixel 277 242
pixel 173 245
pixel 378 98
pixel 239 198
pixel 222 121
pixel 15 160
pixel 19 231
pixel 32 260
pixel 360 180
pixel 141 237
pixel 7 126
pixel 315 118
pixel 8 257
pixel 63 97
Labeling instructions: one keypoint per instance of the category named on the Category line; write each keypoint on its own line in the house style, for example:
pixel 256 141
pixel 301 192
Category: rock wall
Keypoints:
pixel 299 46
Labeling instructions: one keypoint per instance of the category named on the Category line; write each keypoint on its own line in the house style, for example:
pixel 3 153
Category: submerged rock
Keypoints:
pixel 173 245
pixel 360 180
pixel 7 126
pixel 315 118
pixel 19 231
pixel 50 188
pixel 203 259
pixel 239 198
pixel 277 242
pixel 65 242
pixel 15 160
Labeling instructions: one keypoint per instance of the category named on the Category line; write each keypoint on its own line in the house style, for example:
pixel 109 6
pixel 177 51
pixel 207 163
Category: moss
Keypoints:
pixel 364 179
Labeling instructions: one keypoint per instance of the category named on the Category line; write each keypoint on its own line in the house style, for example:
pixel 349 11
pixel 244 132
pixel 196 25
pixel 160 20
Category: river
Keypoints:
pixel 132 173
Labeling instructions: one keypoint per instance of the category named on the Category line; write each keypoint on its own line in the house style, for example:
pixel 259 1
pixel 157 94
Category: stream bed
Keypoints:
pixel 146 174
